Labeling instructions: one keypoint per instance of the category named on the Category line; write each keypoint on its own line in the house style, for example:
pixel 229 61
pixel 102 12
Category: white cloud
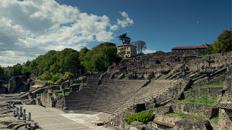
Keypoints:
pixel 147 51
pixel 126 21
pixel 122 23
pixel 9 57
pixel 32 27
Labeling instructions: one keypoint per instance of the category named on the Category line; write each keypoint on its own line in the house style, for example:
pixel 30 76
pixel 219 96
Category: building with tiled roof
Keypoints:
pixel 190 50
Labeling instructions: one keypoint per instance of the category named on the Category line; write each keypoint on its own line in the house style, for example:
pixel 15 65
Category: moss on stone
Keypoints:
pixel 214 120
pixel 214 85
pixel 192 116
pixel 199 101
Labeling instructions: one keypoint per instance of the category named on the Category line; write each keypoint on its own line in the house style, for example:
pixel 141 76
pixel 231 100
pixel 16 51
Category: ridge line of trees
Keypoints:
pixel 56 66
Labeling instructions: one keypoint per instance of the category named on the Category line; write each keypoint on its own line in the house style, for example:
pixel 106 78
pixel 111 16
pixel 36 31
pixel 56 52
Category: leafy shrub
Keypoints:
pixel 144 117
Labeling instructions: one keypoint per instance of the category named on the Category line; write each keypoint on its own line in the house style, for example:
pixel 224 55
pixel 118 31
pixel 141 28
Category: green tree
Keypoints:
pixel 45 76
pixel 54 65
pixel 57 66
pixel 100 57
pixel 67 75
pixel 2 72
pixel 16 70
pixel 26 67
pixel 83 53
pixel 223 43
pixel 124 38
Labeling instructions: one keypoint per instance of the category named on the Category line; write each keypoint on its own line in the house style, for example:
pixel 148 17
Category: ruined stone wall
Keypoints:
pixel 47 98
pixel 217 61
pixel 3 90
pixel 20 83
pixel 228 84
pixel 141 66
pixel 225 119
pixel 227 96
pixel 159 65
pixel 157 92
pixel 214 93
pixel 204 110
pixel 189 125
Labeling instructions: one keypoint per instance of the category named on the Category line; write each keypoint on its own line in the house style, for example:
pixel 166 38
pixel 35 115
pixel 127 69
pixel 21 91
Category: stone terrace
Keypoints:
pixel 105 97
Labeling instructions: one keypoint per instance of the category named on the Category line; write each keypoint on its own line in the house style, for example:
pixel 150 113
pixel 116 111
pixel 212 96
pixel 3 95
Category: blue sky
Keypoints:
pixel 164 24
pixel 30 28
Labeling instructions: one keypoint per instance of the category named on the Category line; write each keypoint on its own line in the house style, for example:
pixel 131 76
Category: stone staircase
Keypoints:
pixel 81 100
pixel 156 89
pixel 106 97
pixel 113 93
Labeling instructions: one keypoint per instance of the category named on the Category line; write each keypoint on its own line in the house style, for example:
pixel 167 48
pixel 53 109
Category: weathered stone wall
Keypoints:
pixel 214 93
pixel 118 120
pixel 60 103
pixel 218 60
pixel 227 95
pixel 47 98
pixel 3 90
pixel 19 83
pixel 204 110
pixel 160 65
pixel 164 122
pixel 225 119
pixel 190 125
pixel 3 86
pixel 145 66
pixel 157 92
pixel 228 84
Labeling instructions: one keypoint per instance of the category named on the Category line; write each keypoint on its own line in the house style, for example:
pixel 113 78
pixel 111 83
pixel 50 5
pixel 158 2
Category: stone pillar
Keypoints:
pixel 18 115
pixel 8 106
pixel 21 111
pixel 16 110
pixel 29 116
pixel 24 114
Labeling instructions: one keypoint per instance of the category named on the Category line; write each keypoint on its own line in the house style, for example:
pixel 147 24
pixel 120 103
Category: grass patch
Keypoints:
pixel 214 85
pixel 198 101
pixel 144 116
pixel 215 120
pixel 191 116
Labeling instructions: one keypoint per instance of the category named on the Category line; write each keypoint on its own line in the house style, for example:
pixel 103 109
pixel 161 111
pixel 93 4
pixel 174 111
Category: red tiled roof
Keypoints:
pixel 191 47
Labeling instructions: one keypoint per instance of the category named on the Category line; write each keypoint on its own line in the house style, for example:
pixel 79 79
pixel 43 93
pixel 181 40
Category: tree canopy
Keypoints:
pixel 99 58
pixel 124 38
pixel 56 66
pixel 1 71
pixel 223 43
pixel 52 66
